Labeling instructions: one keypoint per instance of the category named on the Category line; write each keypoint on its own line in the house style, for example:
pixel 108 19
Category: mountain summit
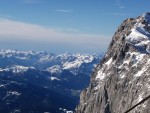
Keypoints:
pixel 122 79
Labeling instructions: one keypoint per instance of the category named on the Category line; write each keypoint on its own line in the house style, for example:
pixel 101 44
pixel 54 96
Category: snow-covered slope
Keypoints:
pixel 63 68
pixel 140 34
pixel 64 74
pixel 16 69
pixel 122 79
pixel 47 61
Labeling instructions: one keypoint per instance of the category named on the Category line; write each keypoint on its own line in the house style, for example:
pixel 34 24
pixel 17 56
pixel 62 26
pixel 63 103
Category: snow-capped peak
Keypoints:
pixel 79 60
pixel 140 33
pixel 54 64
pixel 56 69
pixel 20 69
pixel 17 69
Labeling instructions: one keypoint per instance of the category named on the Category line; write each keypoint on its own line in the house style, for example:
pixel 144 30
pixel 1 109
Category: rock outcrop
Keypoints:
pixel 122 79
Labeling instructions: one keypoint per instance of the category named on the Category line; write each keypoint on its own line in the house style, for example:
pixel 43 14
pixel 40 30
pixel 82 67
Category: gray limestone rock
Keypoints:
pixel 122 78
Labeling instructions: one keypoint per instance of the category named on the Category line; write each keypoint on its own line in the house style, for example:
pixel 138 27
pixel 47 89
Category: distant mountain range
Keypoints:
pixel 41 81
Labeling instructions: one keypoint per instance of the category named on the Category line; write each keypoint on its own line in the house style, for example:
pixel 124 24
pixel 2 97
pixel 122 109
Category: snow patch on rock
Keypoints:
pixel 54 78
pixel 54 69
pixel 16 69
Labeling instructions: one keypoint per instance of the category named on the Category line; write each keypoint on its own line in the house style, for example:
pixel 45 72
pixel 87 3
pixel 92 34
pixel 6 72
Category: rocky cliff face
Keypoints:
pixel 122 79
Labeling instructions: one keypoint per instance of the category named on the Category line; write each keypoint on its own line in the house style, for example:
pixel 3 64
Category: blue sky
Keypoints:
pixel 59 26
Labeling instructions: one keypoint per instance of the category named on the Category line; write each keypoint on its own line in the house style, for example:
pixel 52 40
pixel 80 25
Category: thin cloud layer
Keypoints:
pixel 63 11
pixel 29 1
pixel 14 30
pixel 118 14
pixel 119 4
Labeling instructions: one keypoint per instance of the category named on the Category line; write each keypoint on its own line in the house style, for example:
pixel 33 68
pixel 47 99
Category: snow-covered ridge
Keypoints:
pixel 140 33
pixel 16 69
pixel 140 39
pixel 19 61
pixel 123 77
pixel 77 63
pixel 22 54
pixel 54 69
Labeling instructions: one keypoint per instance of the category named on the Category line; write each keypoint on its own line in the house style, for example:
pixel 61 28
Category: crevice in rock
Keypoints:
pixel 107 106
